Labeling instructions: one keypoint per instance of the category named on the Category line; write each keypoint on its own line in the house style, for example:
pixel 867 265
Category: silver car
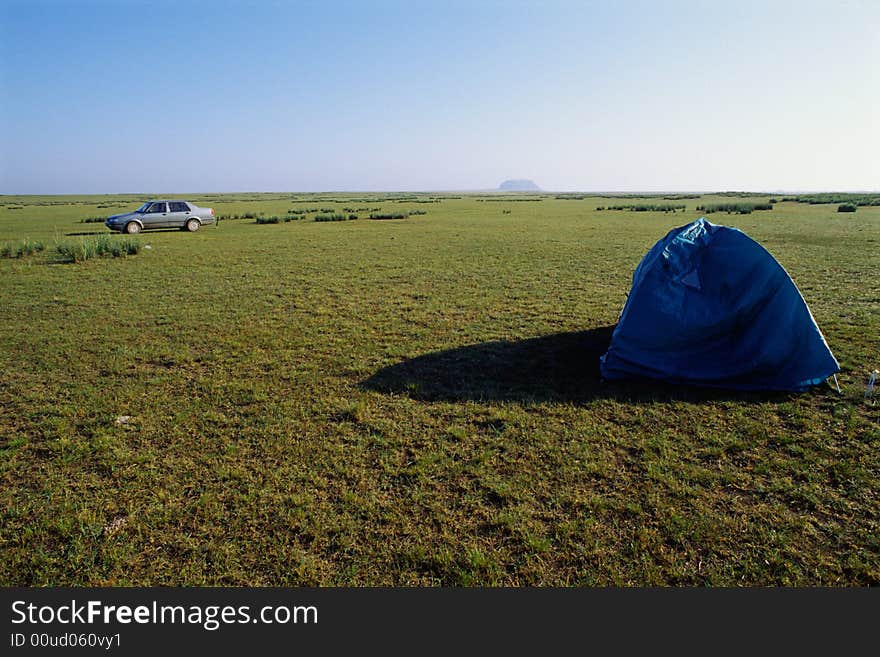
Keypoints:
pixel 162 214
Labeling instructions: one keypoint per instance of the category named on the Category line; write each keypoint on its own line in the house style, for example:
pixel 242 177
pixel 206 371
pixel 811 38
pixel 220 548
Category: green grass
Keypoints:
pixel 415 403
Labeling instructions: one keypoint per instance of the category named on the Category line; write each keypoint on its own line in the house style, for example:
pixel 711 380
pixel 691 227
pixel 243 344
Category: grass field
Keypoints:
pixel 414 402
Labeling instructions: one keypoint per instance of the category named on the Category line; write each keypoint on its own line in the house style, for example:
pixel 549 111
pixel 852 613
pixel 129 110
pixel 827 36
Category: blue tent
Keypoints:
pixel 710 306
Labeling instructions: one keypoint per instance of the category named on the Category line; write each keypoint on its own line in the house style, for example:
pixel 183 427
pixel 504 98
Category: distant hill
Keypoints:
pixel 519 186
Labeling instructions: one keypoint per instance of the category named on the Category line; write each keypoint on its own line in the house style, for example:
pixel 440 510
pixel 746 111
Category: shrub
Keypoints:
pixel 847 207
pixel 268 220
pixel 352 217
pixel 330 217
pixel 390 215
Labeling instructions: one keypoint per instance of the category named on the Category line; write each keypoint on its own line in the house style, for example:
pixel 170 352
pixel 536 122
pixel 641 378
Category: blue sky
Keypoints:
pixel 104 97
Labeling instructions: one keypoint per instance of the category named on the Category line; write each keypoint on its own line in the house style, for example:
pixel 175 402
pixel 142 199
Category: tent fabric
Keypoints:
pixel 709 306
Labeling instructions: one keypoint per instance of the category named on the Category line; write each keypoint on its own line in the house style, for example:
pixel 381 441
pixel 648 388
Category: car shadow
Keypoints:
pixel 116 232
pixel 563 367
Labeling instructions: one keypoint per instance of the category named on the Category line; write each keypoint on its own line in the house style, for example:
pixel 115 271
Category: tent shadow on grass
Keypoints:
pixel 554 368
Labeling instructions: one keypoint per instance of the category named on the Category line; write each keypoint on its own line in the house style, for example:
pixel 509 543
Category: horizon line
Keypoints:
pixel 471 191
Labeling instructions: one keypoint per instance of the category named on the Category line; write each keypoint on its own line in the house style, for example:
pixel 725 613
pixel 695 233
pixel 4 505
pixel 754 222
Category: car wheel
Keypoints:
pixel 132 227
pixel 192 225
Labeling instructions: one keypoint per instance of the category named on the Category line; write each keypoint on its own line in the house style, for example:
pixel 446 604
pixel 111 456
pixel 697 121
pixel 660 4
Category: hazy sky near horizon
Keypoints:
pixel 192 96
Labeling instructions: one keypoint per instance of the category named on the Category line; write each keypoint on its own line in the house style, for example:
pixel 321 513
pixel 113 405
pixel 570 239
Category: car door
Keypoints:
pixel 178 213
pixel 156 215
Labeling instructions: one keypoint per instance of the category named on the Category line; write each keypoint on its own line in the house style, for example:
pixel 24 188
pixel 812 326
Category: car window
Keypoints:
pixel 178 206
pixel 157 207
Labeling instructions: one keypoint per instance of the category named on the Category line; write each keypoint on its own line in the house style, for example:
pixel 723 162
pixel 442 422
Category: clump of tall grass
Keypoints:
pixel 818 199
pixel 847 207
pixel 21 249
pixel 582 197
pixel 93 220
pixel 506 199
pixel 103 245
pixel 390 215
pixel 245 215
pixel 648 207
pixel 274 219
pixel 334 217
pixel 734 208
